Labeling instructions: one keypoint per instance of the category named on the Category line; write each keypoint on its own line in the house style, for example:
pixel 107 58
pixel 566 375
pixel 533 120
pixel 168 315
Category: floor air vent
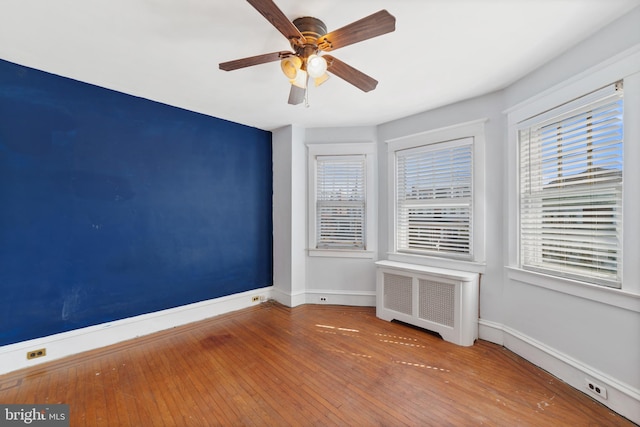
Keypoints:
pixel 443 301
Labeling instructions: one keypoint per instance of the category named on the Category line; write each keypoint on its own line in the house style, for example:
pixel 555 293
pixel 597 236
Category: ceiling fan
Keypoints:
pixel 308 38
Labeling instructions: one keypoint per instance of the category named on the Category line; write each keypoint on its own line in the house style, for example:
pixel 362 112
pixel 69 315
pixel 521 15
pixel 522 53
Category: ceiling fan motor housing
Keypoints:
pixel 312 29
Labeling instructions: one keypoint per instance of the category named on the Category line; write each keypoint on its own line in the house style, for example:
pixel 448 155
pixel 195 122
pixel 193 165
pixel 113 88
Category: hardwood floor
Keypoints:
pixel 306 366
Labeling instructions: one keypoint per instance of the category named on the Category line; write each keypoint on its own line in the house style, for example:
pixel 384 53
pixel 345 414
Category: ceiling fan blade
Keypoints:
pixel 278 19
pixel 350 74
pixel 379 23
pixel 254 60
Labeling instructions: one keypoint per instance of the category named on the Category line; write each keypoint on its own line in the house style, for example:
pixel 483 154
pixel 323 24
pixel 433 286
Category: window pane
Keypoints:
pixel 340 202
pixel 571 193
pixel 434 203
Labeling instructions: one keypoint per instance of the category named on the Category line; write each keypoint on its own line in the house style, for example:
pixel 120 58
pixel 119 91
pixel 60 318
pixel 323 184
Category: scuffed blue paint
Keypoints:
pixel 113 206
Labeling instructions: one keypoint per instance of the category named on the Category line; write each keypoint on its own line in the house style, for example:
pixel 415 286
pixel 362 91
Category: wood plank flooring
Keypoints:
pixel 313 365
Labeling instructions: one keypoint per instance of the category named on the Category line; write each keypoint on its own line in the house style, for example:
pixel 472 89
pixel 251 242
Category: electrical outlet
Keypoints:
pixel 33 354
pixel 255 299
pixel 596 388
pixel 323 299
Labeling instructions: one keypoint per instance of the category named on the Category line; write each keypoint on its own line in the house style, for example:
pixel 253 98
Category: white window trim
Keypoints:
pixel 476 130
pixel 368 149
pixel 624 66
pixel 556 118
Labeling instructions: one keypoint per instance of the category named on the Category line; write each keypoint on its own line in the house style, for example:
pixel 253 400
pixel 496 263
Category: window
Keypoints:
pixel 571 189
pixel 436 186
pixel 341 200
pixel 434 199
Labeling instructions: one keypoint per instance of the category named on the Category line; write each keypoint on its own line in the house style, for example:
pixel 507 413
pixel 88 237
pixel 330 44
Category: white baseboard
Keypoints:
pixel 621 398
pixel 354 298
pixel 491 331
pixel 323 296
pixel 13 356
pixel 288 299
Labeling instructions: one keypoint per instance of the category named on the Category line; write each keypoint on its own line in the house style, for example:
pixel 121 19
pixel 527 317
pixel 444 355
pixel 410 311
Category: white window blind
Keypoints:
pixel 434 199
pixel 340 202
pixel 571 189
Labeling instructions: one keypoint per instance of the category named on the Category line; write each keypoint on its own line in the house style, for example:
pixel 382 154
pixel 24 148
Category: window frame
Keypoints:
pixel 403 245
pixel 366 149
pixel 334 233
pixel 560 114
pixel 476 131
pixel 623 66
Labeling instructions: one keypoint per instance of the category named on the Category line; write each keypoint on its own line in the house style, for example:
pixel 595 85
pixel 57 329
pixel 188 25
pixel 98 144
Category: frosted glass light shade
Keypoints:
pixel 316 66
pixel 300 80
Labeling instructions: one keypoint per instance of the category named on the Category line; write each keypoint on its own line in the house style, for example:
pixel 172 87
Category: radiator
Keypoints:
pixel 439 300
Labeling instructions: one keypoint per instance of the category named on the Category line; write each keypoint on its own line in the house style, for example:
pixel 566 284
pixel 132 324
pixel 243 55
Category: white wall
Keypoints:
pixel 289 223
pixel 617 37
pixel 299 278
pixel 575 334
pixel 487 107
pixel 576 331
pixel 337 280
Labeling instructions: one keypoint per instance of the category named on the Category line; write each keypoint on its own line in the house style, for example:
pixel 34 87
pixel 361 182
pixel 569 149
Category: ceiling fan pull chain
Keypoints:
pixel 306 96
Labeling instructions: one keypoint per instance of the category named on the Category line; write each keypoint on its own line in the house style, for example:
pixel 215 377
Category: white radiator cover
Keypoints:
pixel 436 299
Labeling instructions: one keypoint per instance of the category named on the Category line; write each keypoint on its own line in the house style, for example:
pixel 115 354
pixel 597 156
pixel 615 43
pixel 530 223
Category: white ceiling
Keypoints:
pixel 442 51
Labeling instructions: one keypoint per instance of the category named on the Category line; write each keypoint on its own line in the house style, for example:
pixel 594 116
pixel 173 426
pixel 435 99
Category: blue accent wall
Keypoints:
pixel 113 206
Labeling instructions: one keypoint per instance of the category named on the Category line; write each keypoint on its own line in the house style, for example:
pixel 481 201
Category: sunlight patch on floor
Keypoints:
pixel 396 337
pixel 421 365
pixel 337 328
pixel 365 356
pixel 403 343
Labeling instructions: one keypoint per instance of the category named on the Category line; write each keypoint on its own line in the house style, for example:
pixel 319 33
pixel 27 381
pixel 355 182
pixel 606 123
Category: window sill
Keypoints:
pixel 431 261
pixel 337 253
pixel 611 296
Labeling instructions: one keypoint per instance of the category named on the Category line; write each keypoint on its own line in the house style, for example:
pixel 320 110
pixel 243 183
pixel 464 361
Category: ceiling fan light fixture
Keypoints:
pixel 290 66
pixel 319 80
pixel 300 79
pixel 316 66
